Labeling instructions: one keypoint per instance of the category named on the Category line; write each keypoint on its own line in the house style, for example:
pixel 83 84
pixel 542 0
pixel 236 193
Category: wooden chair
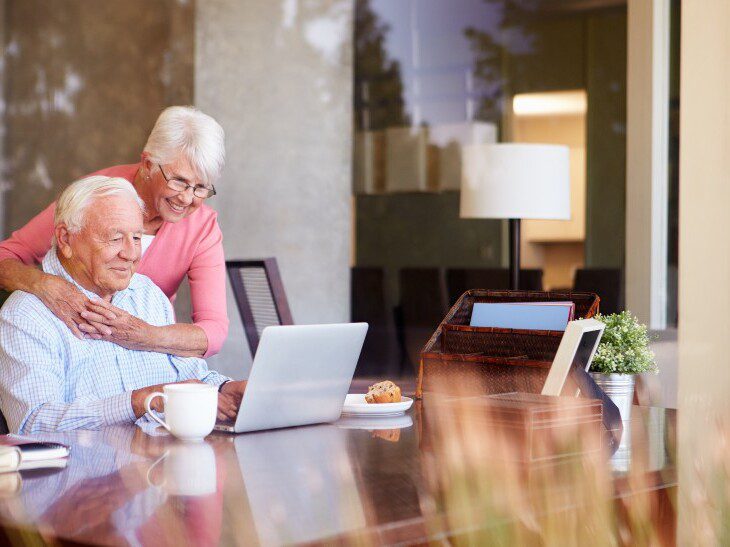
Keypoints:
pixel 379 356
pixel 459 280
pixel 4 295
pixel 260 296
pixel 605 282
pixel 3 424
pixel 423 305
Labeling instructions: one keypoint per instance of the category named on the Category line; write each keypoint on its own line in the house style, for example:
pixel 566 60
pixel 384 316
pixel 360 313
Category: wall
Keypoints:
pixel 3 163
pixel 83 84
pixel 278 76
pixel 704 271
pixel 606 140
pixel 647 160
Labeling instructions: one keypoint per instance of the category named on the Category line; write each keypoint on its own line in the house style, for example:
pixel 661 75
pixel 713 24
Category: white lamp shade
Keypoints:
pixel 515 181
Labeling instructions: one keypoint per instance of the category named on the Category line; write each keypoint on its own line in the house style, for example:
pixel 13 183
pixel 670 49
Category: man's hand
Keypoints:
pixel 139 395
pixel 65 300
pixel 229 399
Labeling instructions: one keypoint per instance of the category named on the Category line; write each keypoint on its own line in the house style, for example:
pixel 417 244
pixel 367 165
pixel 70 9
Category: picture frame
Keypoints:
pixel 576 350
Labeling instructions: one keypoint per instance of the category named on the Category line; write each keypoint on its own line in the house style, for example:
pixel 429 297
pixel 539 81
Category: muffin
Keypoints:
pixel 383 392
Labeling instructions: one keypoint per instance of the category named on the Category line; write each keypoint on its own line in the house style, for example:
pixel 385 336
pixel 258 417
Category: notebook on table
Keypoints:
pixel 34 453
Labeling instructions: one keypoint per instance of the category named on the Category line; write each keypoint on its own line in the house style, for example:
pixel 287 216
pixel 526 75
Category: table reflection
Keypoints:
pixel 387 428
pixel 187 469
pixel 98 488
pixel 108 493
pixel 643 446
pixel 398 480
pixel 299 483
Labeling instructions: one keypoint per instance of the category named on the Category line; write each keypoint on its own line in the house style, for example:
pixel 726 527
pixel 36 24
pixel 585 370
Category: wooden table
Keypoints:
pixel 325 483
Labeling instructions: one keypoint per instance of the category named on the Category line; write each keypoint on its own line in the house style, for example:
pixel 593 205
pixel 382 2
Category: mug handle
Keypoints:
pixel 151 467
pixel 147 402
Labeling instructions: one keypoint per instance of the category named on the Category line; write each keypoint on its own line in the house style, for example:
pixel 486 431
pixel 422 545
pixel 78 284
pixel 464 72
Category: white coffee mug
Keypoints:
pixel 190 410
pixel 187 470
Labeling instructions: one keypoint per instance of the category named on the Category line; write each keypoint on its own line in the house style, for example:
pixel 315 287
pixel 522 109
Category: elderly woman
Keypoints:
pixel 182 159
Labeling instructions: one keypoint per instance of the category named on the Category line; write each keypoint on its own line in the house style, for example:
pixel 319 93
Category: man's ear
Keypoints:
pixel 62 240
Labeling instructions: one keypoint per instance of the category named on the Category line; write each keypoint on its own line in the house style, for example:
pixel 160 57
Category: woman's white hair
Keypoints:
pixel 76 198
pixel 187 132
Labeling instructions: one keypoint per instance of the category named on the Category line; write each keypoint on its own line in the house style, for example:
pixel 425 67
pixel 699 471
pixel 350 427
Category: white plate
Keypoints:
pixel 373 423
pixel 355 405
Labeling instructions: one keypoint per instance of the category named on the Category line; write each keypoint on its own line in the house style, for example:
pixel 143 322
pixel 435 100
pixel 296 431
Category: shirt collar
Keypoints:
pixel 52 265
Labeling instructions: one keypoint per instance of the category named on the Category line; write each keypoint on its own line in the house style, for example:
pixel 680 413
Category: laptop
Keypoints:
pixel 300 375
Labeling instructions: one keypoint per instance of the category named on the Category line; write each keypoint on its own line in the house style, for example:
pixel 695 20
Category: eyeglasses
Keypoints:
pixel 178 185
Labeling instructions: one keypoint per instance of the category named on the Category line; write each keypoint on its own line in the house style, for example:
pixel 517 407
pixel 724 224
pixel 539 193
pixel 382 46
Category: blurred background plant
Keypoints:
pixel 488 485
pixel 708 498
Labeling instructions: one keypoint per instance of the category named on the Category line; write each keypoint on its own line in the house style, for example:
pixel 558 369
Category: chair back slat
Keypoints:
pixel 260 296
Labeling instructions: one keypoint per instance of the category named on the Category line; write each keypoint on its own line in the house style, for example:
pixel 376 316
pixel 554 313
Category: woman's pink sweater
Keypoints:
pixel 192 246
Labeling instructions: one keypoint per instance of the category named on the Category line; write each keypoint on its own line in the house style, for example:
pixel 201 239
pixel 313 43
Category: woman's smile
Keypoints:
pixel 176 207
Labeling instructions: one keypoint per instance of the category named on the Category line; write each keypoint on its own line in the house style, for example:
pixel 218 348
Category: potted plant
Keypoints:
pixel 623 352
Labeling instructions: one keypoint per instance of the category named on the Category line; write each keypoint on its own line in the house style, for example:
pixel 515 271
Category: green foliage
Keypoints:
pixel 624 347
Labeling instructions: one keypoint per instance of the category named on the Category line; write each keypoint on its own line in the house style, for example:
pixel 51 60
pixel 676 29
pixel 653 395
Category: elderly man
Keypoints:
pixel 51 380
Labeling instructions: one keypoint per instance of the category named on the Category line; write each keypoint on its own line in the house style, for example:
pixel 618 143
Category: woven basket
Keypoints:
pixel 479 360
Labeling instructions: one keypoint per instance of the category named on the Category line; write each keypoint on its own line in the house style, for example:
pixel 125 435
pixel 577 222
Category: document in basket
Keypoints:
pixel 523 315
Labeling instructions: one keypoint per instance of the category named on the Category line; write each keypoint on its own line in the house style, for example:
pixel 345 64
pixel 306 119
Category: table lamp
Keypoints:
pixel 515 181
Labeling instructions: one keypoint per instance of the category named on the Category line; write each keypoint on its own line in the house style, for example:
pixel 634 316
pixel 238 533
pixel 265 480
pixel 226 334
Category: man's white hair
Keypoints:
pixel 71 206
pixel 187 132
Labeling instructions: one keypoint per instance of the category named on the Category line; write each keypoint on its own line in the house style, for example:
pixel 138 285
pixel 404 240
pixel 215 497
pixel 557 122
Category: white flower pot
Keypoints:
pixel 620 389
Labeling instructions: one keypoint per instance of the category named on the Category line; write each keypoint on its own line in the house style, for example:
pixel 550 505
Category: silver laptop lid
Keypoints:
pixel 300 375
